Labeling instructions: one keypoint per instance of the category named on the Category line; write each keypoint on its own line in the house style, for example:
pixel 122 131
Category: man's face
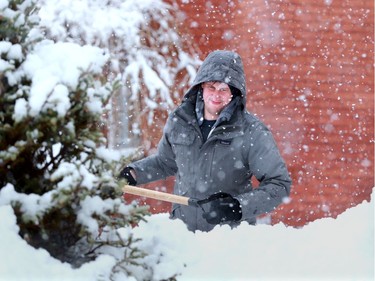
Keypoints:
pixel 216 95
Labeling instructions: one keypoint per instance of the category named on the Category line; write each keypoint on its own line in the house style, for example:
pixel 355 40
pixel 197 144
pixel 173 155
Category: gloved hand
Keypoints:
pixel 125 174
pixel 222 208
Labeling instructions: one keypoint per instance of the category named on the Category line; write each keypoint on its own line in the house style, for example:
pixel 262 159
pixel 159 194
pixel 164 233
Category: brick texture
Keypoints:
pixel 310 78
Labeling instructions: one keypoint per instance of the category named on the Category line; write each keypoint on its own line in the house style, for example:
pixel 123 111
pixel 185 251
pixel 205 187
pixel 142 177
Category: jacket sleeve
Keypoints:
pixel 269 168
pixel 159 165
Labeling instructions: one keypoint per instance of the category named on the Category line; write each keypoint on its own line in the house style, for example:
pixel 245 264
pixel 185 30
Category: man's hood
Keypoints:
pixel 223 66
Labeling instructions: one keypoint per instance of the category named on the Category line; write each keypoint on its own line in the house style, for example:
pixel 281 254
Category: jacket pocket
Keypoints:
pixel 182 137
pixel 181 143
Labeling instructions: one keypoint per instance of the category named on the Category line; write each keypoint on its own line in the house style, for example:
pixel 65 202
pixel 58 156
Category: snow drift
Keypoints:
pixel 327 249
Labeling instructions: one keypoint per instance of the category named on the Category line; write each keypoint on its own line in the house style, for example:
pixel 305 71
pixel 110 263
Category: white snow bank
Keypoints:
pixel 327 249
pixel 19 261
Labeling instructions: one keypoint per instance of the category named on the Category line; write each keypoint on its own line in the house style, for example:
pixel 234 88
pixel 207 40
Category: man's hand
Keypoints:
pixel 223 208
pixel 128 174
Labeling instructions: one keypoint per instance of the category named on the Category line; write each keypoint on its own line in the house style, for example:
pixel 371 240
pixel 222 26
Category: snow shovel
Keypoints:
pixel 163 196
pixel 210 216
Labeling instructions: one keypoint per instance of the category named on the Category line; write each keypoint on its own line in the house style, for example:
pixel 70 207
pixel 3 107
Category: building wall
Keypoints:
pixel 310 78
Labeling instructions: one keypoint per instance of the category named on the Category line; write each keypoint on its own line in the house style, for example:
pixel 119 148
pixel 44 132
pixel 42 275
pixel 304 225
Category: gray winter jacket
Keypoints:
pixel 239 146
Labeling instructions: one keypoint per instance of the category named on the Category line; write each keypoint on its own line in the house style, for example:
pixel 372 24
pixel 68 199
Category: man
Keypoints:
pixel 214 146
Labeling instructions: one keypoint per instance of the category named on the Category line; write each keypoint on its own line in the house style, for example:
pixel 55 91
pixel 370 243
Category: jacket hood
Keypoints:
pixel 223 66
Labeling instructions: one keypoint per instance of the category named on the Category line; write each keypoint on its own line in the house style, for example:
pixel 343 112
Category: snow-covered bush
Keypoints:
pixel 145 50
pixel 55 169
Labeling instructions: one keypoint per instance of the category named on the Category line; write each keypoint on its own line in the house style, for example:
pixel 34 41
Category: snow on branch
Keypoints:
pixel 53 75
pixel 141 37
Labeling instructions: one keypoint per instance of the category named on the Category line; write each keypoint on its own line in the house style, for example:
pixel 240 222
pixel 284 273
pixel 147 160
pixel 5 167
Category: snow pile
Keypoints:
pixel 19 261
pixel 327 249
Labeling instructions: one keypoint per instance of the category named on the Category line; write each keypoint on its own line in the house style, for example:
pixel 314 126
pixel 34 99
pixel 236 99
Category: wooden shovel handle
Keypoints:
pixel 172 198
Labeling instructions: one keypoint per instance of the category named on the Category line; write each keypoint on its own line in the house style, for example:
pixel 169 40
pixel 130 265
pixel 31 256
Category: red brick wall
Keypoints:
pixel 310 78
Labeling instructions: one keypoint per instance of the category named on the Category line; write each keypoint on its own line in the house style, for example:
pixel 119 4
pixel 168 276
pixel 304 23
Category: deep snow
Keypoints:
pixel 327 249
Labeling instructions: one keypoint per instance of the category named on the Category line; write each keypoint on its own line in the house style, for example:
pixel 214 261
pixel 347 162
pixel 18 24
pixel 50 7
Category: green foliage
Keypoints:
pixel 16 25
pixel 58 160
